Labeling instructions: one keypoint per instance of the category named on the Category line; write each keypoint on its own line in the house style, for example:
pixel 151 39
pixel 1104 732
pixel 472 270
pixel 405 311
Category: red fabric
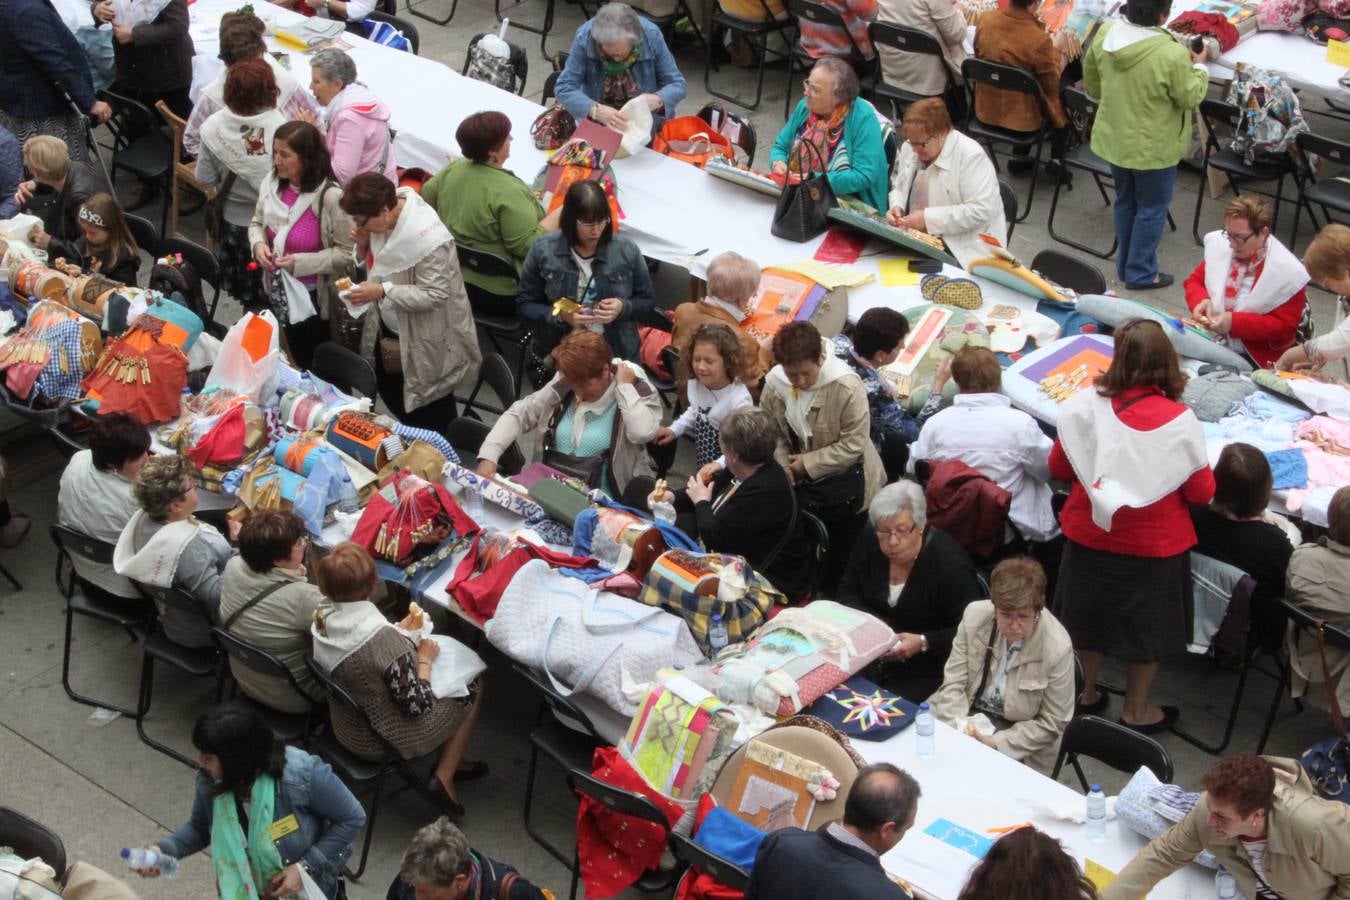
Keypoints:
pixel 411 511
pixel 616 849
pixel 478 594
pixel 224 443
pixel 696 885
pixel 652 342
pixel 1211 24
pixel 1265 335
pixel 1158 530
pixel 968 506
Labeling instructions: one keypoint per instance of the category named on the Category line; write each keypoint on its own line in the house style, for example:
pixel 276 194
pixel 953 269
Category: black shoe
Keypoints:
pixel 1163 280
pixel 1020 165
pixel 1169 718
pixel 1096 706
pixel 443 800
pixel 471 771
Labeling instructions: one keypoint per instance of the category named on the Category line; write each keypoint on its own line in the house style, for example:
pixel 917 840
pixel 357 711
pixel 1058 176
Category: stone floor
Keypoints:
pixel 100 788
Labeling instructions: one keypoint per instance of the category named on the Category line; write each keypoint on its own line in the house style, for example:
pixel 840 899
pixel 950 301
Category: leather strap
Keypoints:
pixel 1337 717
pixel 504 886
pixel 261 596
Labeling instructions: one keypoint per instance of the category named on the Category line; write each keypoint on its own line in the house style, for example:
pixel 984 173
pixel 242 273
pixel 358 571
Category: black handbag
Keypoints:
pixel 829 496
pixel 803 208
pixel 593 471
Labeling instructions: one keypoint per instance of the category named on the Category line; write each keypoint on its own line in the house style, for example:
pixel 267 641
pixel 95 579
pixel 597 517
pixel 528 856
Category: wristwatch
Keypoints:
pixel 923 643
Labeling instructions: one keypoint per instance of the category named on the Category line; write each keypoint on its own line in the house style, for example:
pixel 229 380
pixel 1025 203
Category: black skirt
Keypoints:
pixel 1133 608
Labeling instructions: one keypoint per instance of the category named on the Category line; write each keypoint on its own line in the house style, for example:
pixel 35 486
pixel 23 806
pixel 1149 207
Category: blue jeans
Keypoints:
pixel 1142 199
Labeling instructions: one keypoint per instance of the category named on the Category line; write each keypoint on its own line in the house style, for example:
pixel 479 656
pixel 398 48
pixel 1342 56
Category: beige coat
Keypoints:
pixel 334 261
pixel 1039 696
pixel 841 432
pixel 528 418
pixel 1317 578
pixel 916 72
pixel 1307 855
pixel 279 624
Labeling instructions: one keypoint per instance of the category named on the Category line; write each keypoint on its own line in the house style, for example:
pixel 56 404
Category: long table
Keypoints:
pixel 978 788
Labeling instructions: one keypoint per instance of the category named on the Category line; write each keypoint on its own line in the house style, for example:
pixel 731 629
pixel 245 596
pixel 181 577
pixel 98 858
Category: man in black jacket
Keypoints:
pixel 841 861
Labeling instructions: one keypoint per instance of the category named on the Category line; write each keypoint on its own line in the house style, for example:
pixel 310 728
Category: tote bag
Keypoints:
pixel 803 208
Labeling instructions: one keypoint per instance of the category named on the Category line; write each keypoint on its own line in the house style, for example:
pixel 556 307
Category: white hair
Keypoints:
pixel 616 22
pixel 733 278
pixel 902 496
pixel 335 66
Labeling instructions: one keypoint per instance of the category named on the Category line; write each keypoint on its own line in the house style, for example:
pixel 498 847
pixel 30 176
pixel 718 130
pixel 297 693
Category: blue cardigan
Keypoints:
pixel 39 59
pixel 655 71
pixel 867 177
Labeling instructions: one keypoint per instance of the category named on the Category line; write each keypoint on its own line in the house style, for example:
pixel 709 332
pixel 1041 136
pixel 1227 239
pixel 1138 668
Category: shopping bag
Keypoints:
pixel 803 208
pixel 248 358
pixel 691 140
pixel 299 305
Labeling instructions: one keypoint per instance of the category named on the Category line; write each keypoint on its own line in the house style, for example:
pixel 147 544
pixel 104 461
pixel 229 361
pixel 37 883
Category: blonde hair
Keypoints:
pixel 1018 583
pixel 161 482
pixel 46 157
pixel 1253 209
pixel 1328 256
pixel 733 278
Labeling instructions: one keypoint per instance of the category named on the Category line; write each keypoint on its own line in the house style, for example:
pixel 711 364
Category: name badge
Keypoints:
pixel 282 827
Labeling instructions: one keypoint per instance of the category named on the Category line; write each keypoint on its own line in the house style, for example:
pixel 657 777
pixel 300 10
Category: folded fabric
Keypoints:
pixel 864 711
pixel 478 588
pixel 720 832
pixel 1332 435
pixel 1212 395
pixel 1288 468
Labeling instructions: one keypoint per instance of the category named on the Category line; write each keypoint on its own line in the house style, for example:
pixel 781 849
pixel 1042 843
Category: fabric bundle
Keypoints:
pixel 139 374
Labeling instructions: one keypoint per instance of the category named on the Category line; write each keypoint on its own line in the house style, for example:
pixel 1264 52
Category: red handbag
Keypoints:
pixel 409 518
pixel 692 140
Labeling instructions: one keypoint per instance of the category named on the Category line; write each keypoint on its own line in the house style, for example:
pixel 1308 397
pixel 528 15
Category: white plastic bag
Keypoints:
pixel 299 305
pixel 247 363
pixel 454 668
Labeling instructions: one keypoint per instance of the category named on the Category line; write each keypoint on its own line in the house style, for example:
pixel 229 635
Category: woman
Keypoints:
pixel 72 181
pixel 916 579
pixel 164 546
pixel 355 121
pixel 1147 87
pixel 1124 586
pixel 823 41
pixel 842 131
pixel 875 341
pixel 748 508
pixel 1013 661
pixel 920 73
pixel 1027 864
pixel 424 328
pixel 1249 290
pixel 945 184
pixel 584 261
pixel 235 155
pixel 733 282
pixel 300 228
pixel 266 600
pixel 1327 260
pixel 486 206
pixel 105 245
pixel 154 56
pixel 595 417
pixel 824 430
pixel 266 811
pixel 41 66
pixel 618 56
pixel 439 864
pixel 1318 574
pixel 1015 36
pixel 389 676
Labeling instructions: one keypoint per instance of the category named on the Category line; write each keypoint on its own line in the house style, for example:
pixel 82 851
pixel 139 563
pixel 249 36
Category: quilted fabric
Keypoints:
pixel 679 738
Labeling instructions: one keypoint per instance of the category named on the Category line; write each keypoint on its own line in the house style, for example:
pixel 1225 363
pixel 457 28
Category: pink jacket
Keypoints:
pixel 358 134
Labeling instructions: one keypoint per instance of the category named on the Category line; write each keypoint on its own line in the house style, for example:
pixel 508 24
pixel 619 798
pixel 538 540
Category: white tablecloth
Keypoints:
pixel 978 788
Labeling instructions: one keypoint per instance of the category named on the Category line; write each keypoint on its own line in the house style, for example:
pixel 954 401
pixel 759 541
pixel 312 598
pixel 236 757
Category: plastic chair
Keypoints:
pixel 92 601
pixel 30 838
pixel 520 59
pixel 204 261
pixel 1070 272
pixel 1330 192
pixel 409 29
pixel 737 129
pixel 1008 195
pixel 627 803
pixel 288 727
pixel 344 369
pixel 1111 744
pixel 467 434
pixel 183 172
pixel 495 314
pixel 693 856
pixel 905 40
pixel 144 233
pixel 800 61
pixel 1306 626
pixel 495 374
pixel 757 34
pixel 1265 170
pixel 1006 78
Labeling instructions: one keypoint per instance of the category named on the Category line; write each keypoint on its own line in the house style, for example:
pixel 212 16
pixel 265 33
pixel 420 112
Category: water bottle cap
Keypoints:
pixel 923 707
pixel 717 617
pixel 1096 789
pixel 126 852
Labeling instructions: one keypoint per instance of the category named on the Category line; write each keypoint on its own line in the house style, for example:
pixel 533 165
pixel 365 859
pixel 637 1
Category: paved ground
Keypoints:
pixel 100 788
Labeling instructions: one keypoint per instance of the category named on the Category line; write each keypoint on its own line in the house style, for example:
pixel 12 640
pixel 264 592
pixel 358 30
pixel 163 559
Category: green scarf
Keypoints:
pixel 243 872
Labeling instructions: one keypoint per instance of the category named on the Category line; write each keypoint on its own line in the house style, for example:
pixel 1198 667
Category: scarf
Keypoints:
pixel 340 629
pixel 618 84
pixel 418 231
pixel 156 562
pixel 280 217
pixel 798 403
pixel 1282 276
pixel 244 868
pixel 243 143
pixel 826 135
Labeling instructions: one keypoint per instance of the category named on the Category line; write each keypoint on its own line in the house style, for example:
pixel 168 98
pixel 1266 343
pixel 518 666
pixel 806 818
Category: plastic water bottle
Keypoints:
pixel 923 729
pixel 145 858
pixel 1096 815
pixel 717 634
pixel 347 501
pixel 1225 886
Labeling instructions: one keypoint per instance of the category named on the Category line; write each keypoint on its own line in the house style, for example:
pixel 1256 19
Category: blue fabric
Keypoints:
pixel 583 530
pixel 38 61
pixel 1288 468
pixel 426 435
pixel 52 382
pixel 1142 200
pixel 734 840
pixel 11 172
pixel 864 711
pixel 656 72
pixel 868 177
pixel 330 818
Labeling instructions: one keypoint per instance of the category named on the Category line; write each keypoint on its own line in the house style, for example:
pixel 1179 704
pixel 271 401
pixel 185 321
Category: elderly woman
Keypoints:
pixel 164 546
pixel 1328 263
pixel 73 182
pixel 266 600
pixel 300 228
pixel 874 341
pixel 733 282
pixel 1124 585
pixel 748 508
pixel 618 56
pixel 1003 444
pixel 1318 574
pixel 586 263
pixel 945 184
pixel 424 321
pixel 389 675
pixel 843 133
pixel 1249 289
pixel 486 206
pixel 355 121
pixel 595 417
pixel 439 864
pixel 299 815
pixel 916 579
pixel 1012 661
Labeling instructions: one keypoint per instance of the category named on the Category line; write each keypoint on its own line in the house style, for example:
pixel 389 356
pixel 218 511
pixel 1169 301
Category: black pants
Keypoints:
pixel 436 415
pixel 894 453
pixel 302 338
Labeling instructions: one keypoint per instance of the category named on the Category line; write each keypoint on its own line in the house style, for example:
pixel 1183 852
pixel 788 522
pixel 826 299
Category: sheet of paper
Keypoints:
pixel 1338 53
pixel 896 273
pixel 972 842
pixel 828 274
pixel 1098 874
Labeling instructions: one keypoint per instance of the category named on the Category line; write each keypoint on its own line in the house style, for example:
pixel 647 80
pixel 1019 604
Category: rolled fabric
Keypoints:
pixel 298 454
pixel 301 411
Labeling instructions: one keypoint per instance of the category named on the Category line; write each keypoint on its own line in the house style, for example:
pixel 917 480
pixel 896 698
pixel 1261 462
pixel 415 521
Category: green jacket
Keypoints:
pixel 867 176
pixel 1147 90
pixel 490 209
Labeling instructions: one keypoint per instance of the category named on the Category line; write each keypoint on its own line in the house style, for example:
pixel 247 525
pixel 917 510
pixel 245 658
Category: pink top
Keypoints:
pixel 304 236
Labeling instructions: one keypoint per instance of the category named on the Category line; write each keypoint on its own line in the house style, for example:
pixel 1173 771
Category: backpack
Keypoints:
pixel 172 275
pixel 491 69
pixel 967 506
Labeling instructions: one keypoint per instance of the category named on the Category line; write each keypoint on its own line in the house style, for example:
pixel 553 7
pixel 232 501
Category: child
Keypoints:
pixel 713 367
pixel 106 243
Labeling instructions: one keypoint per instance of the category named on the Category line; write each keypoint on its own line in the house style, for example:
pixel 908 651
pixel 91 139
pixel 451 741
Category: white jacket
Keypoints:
pixel 963 197
pixel 98 504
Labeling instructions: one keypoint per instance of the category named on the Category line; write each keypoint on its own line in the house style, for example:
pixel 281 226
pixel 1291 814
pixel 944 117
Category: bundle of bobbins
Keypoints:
pixel 33 280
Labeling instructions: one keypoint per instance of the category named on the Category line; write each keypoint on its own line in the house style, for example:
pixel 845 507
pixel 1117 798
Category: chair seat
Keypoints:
pixel 891 92
pixel 978 129
pixel 348 765
pixel 287 726
pixel 507 326
pixel 99 604
pixel 1330 192
pixel 149 157
pixel 745 26
pixel 199 661
pixel 567 747
pixel 1261 170
pixel 1083 157
pixel 187 171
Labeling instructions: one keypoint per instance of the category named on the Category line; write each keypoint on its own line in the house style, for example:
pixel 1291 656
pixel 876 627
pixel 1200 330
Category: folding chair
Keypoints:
pixel 1111 744
pixel 144 233
pixel 495 374
pixel 694 856
pixel 495 314
pixel 542 29
pixel 408 28
pixel 1070 272
pixel 1006 78
pixel 140 146
pixel 757 34
pixel 1265 170
pixel 819 537
pixel 740 131
pixel 905 40
pixel 664 21
pixel 1306 626
pixel 467 434
pixel 288 727
pixel 344 369
pixel 1007 194
pixel 413 8
pixel 206 264
pixel 627 803
pixel 1331 191
pixel 800 61
pixel 519 59
pixel 29 838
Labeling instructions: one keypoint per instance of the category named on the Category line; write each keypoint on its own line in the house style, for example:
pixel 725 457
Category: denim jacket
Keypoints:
pixel 655 72
pixel 329 815
pixel 551 273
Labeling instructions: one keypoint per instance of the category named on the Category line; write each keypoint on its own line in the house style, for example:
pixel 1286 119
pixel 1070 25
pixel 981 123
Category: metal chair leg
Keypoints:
pixel 370 831
pixel 1274 707
pixel 1050 224
pixel 530 828
pixel 10 577
pixel 1199 198
pixel 65 675
pixel 143 706
pixel 1233 711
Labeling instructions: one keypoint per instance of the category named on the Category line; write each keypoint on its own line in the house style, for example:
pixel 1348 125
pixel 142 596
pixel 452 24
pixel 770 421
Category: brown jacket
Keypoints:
pixel 689 316
pixel 1307 855
pixel 1316 580
pixel 1015 37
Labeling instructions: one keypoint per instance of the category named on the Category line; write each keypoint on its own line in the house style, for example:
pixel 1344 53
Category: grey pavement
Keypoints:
pixel 100 788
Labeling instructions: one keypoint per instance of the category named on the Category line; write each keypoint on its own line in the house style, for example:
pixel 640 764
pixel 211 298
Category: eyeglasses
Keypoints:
pixel 809 88
pixel 896 534
pixel 1238 238
pixel 600 223
pixel 923 143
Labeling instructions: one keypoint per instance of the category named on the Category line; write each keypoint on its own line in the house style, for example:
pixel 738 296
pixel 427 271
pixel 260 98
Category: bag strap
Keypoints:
pixel 258 598
pixel 506 884
pixel 988 658
pixel 1337 717
pixel 782 541
pixel 586 676
pixel 801 147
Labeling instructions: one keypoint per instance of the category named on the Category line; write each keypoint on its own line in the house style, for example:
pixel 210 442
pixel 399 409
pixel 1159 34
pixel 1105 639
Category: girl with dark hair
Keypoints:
pixel 265 810
pixel 1026 864
pixel 605 276
pixel 300 236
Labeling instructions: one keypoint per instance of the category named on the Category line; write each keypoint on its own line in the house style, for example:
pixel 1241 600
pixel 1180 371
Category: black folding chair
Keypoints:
pixel 1111 744
pixel 1008 196
pixel 1307 627
pixel 627 803
pixel 289 727
pixel 495 374
pixel 542 28
pixel 140 146
pixel 408 28
pixel 1006 78
pixel 1235 169
pixel 206 264
pixel 467 434
pixel 144 233
pixel 737 129
pixel 519 59
pixel 495 314
pixel 800 61
pixel 694 856
pixel 344 369
pixel 1332 190
pixel 29 838
pixel 905 40
pixel 757 34
pixel 1070 272
pixel 413 8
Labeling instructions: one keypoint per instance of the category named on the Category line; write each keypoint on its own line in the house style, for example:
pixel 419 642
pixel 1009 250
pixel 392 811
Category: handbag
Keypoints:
pixel 690 139
pixel 1327 762
pixel 829 495
pixel 589 470
pixel 215 207
pixel 553 127
pixel 391 355
pixel 803 208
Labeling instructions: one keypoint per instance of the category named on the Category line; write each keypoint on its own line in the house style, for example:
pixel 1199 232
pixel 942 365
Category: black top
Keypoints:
pixel 123 269
pixel 159 57
pixel 792 864
pixel 61 215
pixel 1258 548
pixel 751 522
